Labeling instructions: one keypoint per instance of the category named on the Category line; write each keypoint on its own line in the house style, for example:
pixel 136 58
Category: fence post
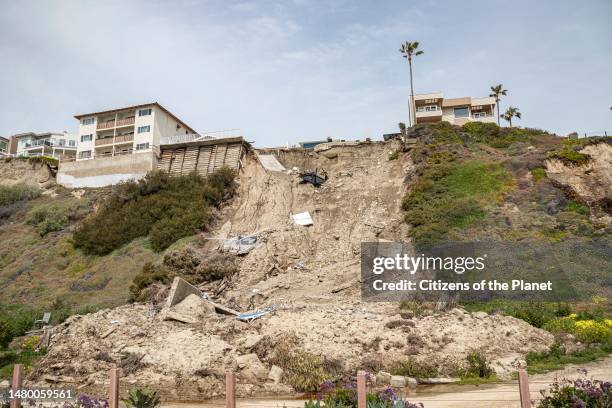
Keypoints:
pixel 113 389
pixel 230 385
pixel 17 384
pixel 524 389
pixel 361 389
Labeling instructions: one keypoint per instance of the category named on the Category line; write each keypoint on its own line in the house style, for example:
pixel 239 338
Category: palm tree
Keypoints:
pixel 496 92
pixel 510 113
pixel 409 49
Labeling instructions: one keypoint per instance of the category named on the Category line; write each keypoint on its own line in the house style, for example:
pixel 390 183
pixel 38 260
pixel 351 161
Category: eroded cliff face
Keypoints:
pixel 590 183
pixel 16 171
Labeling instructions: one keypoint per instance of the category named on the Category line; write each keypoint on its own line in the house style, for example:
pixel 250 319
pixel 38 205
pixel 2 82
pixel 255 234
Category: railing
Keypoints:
pixel 117 139
pixel 124 138
pixel 192 137
pixel 126 121
pixel 104 141
pixel 106 124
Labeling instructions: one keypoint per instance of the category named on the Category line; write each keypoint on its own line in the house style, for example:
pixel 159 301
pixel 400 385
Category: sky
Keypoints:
pixel 289 71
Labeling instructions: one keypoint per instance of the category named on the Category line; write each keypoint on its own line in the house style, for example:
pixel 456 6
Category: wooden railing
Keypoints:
pixel 124 138
pixel 106 124
pixel 104 141
pixel 126 121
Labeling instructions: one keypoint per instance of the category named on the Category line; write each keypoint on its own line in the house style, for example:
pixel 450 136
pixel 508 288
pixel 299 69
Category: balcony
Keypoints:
pixel 109 124
pixel 115 140
pixel 429 114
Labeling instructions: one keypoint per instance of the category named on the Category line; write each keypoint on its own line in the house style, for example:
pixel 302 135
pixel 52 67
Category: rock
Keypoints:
pixel 480 315
pixel 194 307
pixel 252 369
pixel 383 378
pixel 276 374
pixel 457 312
pixel 4 384
pixel 398 381
pixel 411 382
pixel 247 359
pixel 438 380
pixel 251 340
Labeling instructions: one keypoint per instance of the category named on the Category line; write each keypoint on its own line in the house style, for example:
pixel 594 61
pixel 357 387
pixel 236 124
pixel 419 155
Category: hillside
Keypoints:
pixel 471 183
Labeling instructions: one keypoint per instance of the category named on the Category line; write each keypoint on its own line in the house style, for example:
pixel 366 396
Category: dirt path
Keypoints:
pixel 504 395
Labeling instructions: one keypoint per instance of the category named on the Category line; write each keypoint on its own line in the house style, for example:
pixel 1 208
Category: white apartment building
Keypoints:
pixel 51 144
pixel 433 107
pixel 134 129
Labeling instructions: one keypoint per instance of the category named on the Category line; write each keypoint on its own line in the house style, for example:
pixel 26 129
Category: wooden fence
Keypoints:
pixel 230 388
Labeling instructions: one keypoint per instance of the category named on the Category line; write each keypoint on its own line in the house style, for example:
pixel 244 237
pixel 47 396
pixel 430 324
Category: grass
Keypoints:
pixel 556 358
pixel 17 192
pixel 452 195
pixel 535 313
pixel 159 207
pixel 538 174
pixel 53 217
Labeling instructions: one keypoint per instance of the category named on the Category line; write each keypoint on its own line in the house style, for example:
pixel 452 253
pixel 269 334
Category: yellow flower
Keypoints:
pixel 573 316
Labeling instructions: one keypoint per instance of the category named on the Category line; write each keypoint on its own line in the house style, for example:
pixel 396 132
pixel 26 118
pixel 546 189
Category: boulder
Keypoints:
pixel 252 370
pixel 246 360
pixel 276 374
pixel 480 315
pixel 398 381
pixel 383 378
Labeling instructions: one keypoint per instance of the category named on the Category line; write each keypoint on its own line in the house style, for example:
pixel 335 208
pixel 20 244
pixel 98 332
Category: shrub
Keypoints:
pixel 150 274
pixel 414 368
pixel 159 206
pixel 586 331
pixel 142 398
pixel 15 320
pixel 538 174
pixel 304 371
pixel 394 156
pixel 332 395
pixel 55 216
pixel 582 392
pixel 216 267
pixel 30 342
pixel 477 366
pixel 17 192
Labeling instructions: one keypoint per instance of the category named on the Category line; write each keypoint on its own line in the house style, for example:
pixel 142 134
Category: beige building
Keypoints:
pixel 51 144
pixel 433 107
pixel 134 129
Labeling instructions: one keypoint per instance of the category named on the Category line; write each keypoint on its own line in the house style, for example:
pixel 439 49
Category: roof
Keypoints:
pixel 133 107
pixel 457 102
pixel 43 134
pixel 204 142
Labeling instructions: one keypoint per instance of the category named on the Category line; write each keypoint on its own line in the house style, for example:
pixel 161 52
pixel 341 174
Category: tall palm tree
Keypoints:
pixel 496 92
pixel 408 50
pixel 510 113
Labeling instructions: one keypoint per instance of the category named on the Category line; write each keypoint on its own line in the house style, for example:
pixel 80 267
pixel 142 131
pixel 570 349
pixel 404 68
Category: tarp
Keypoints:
pixel 303 219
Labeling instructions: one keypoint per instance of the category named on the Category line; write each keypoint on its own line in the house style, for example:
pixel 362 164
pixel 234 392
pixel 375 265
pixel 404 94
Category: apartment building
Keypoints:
pixel 53 144
pixel 133 129
pixel 433 107
pixel 5 145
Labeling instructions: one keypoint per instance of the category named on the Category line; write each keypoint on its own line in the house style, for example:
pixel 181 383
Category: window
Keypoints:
pixel 480 114
pixel 88 121
pixel 86 138
pixel 144 129
pixel 462 112
pixel 72 143
pixel 431 108
pixel 142 146
pixel 62 142
pixel 85 154
pixel 144 112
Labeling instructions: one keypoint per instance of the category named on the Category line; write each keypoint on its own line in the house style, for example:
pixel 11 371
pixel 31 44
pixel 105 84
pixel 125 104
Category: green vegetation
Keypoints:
pixel 394 155
pixel 557 357
pixel 186 263
pixel 536 314
pixel 15 320
pixel 474 370
pixel 586 331
pixel 538 174
pixel 569 152
pixel 304 371
pixel 142 398
pixel 51 217
pixel 51 161
pixel 17 192
pixel 161 207
pixel 451 194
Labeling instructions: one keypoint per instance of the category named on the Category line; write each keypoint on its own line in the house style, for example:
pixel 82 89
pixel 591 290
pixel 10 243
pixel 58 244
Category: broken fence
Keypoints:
pixel 230 390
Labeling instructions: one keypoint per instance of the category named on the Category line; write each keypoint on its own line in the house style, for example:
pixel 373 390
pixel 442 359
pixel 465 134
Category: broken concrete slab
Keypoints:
pixel 270 162
pixel 194 307
pixel 108 332
pixel 179 290
pixel 172 315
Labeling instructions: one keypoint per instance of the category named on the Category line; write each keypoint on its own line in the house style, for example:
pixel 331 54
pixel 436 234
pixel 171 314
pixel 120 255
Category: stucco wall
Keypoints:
pixel 105 171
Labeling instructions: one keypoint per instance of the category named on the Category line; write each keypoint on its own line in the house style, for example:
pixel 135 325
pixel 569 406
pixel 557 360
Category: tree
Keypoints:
pixel 496 92
pixel 408 50
pixel 402 128
pixel 510 113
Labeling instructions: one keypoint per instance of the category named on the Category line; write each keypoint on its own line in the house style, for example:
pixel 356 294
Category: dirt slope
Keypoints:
pixel 309 273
